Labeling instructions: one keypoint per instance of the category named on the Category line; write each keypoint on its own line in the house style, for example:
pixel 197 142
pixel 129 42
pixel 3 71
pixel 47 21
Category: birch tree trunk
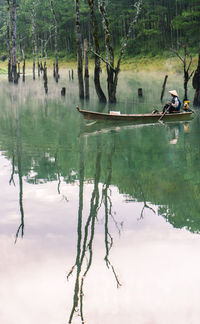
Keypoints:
pixel 123 48
pixel 87 92
pixel 14 33
pixel 38 62
pixel 33 36
pixel 8 42
pixel 56 38
pixel 109 53
pixel 24 64
pixel 79 51
pixel 112 72
pixel 97 69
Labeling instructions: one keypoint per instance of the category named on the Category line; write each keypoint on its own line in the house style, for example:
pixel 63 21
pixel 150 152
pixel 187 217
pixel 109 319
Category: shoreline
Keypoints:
pixel 134 64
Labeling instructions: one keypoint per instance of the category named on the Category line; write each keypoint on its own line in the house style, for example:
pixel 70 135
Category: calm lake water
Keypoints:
pixel 98 224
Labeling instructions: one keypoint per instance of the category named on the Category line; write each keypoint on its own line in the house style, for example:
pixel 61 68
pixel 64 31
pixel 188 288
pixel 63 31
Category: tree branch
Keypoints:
pixel 106 62
pixel 131 26
pixel 177 54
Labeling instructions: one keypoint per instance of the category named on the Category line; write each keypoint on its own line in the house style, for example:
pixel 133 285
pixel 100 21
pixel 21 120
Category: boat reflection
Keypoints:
pixel 173 133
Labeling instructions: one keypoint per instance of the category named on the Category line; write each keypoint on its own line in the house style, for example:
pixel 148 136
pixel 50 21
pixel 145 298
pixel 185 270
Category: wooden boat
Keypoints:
pixel 136 118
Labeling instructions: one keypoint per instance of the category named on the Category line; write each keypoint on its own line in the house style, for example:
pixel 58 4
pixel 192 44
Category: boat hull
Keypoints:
pixel 136 118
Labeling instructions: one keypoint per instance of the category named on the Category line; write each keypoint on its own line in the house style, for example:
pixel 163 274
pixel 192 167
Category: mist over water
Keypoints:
pixel 98 223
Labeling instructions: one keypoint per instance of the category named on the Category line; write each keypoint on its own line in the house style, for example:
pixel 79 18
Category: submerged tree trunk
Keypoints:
pixel 79 51
pixel 97 69
pixel 38 63
pixel 14 33
pixel 33 36
pixel 24 64
pixel 196 84
pixel 112 72
pixel 8 42
pixel 45 78
pixel 56 38
pixel 186 69
pixel 109 53
pixel 87 92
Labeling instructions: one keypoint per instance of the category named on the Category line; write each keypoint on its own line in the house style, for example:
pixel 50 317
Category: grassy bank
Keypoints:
pixel 3 70
pixel 156 64
pixel 135 64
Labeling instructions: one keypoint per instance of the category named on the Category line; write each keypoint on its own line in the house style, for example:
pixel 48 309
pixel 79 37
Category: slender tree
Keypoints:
pixel 79 50
pixel 33 35
pixel 86 76
pixel 8 42
pixel 14 35
pixel 24 65
pixel 97 69
pixel 186 69
pixel 56 38
pixel 112 71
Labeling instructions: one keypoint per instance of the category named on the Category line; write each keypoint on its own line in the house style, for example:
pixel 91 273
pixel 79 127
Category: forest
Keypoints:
pixel 161 25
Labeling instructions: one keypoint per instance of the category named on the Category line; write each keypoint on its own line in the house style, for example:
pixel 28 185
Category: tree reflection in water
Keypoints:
pixel 15 131
pixel 86 232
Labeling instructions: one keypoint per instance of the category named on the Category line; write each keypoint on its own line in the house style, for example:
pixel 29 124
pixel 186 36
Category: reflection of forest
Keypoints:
pixel 145 166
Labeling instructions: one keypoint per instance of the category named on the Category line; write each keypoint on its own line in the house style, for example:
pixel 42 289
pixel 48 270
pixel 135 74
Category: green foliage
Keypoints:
pixel 162 24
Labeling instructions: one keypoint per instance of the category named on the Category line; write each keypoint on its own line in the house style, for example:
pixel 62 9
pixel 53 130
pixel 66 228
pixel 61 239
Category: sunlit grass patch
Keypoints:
pixel 3 70
pixel 156 64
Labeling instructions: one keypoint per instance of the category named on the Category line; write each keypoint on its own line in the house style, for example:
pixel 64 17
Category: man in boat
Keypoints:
pixel 174 105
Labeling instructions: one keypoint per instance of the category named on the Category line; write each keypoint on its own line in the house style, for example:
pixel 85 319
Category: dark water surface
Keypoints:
pixel 98 224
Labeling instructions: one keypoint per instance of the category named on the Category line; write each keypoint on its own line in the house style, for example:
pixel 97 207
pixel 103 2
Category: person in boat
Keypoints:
pixel 174 105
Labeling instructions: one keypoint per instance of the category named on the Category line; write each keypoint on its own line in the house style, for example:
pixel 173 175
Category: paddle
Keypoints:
pixel 166 110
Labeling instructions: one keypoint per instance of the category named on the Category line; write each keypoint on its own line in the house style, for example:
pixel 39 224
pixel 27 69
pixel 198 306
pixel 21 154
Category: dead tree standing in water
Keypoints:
pixel 24 64
pixel 45 78
pixel 56 38
pixel 196 84
pixel 186 69
pixel 79 51
pixel 97 69
pixel 33 36
pixel 113 72
pixel 87 93
pixel 45 68
pixel 8 42
pixel 14 34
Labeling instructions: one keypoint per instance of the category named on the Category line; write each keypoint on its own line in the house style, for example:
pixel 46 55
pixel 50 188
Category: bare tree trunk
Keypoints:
pixel 97 69
pixel 45 78
pixel 56 38
pixel 137 6
pixel 109 53
pixel 196 84
pixel 186 68
pixel 87 90
pixel 79 51
pixel 37 55
pixel 42 50
pixel 14 34
pixel 18 72
pixel 163 87
pixel 112 72
pixel 8 42
pixel 33 36
pixel 24 63
pixel 187 76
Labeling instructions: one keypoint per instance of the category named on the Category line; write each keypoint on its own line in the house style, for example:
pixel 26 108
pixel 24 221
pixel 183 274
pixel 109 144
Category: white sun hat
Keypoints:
pixel 173 93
